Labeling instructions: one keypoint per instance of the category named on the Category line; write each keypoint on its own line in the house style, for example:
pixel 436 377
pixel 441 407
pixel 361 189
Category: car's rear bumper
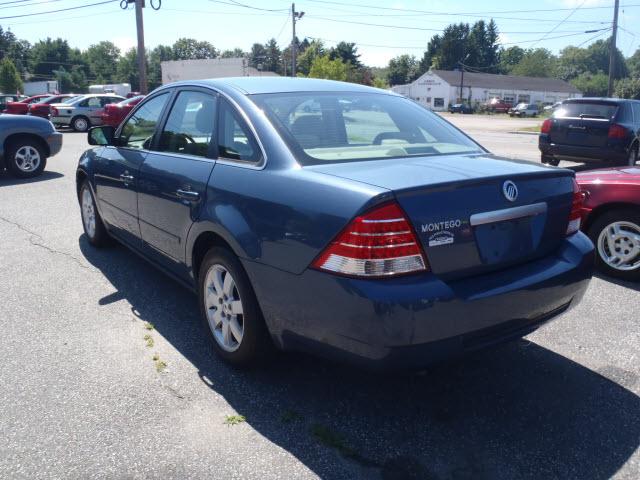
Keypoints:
pixel 411 321
pixel 613 153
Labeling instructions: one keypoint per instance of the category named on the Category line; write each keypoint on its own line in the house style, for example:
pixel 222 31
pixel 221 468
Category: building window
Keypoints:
pixel 438 102
pixel 524 98
pixel 429 100
pixel 509 99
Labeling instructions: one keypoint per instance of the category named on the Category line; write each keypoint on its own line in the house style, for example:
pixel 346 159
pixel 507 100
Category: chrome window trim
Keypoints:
pixel 243 163
pixel 508 214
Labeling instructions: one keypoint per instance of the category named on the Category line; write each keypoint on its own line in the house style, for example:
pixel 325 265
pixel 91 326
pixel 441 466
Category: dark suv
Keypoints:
pixel 592 130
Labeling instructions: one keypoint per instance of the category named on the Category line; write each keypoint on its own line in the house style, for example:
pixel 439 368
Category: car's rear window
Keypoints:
pixel 586 110
pixel 338 127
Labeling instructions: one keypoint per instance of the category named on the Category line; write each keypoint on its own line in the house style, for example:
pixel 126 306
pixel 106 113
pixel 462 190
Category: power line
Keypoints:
pixel 403 27
pixel 428 12
pixel 561 22
pixel 238 4
pixel 59 10
pixel 28 5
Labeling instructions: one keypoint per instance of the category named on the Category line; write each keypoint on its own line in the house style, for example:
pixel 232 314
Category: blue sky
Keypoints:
pixel 227 25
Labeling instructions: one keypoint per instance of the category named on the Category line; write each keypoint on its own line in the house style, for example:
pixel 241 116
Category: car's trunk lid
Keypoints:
pixel 460 212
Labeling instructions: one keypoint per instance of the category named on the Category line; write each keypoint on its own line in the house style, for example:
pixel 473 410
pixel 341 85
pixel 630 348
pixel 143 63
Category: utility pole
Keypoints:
pixel 294 53
pixel 142 60
pixel 461 80
pixel 612 51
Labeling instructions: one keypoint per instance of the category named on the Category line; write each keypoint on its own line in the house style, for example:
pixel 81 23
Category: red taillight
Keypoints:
pixel 54 111
pixel 575 217
pixel 379 243
pixel 546 126
pixel 617 131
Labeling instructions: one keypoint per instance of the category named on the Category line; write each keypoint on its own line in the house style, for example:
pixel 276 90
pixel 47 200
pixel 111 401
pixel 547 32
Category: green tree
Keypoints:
pixel 102 59
pixel 127 69
pixel 402 69
pixel 48 56
pixel 509 58
pixel 314 50
pixel 633 64
pixel 162 53
pixel 273 57
pixel 598 55
pixel 628 88
pixel 10 81
pixel 235 53
pixel 347 53
pixel 191 49
pixel 257 56
pixel 592 84
pixel 538 62
pixel 324 67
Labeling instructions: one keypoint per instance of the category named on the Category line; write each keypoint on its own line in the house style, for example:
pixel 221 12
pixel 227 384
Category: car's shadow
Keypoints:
pixel 623 283
pixel 6 179
pixel 519 411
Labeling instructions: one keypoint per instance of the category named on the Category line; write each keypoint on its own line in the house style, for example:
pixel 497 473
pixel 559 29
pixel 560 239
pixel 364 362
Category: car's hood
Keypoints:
pixel 8 120
pixel 611 175
pixel 407 173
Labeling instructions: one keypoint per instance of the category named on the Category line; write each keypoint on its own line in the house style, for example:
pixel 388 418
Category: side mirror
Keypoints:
pixel 101 135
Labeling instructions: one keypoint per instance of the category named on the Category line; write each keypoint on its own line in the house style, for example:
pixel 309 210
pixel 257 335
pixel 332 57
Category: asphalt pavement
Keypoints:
pixel 106 373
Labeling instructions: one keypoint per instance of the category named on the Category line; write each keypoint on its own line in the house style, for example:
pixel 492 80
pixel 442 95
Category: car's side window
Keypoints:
pixel 636 112
pixel 190 125
pixel 235 140
pixel 108 100
pixel 139 129
pixel 92 102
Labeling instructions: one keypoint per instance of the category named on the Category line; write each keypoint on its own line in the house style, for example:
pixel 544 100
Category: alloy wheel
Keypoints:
pixel 88 213
pixel 619 245
pixel 81 124
pixel 224 308
pixel 27 159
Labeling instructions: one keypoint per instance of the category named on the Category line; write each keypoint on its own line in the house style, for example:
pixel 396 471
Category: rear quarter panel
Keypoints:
pixel 281 217
pixel 605 196
pixel 20 124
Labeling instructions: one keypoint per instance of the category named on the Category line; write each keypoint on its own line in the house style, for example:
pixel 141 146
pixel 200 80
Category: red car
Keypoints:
pixel 43 109
pixel 496 105
pixel 22 107
pixel 611 218
pixel 114 113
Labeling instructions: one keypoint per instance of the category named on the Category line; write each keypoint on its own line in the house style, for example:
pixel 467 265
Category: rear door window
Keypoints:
pixel 235 139
pixel 586 110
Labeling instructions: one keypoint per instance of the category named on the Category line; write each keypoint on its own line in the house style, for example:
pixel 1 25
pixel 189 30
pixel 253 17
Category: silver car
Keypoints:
pixel 83 112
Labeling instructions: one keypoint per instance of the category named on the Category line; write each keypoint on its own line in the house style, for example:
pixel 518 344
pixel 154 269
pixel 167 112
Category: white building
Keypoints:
pixel 436 89
pixel 209 68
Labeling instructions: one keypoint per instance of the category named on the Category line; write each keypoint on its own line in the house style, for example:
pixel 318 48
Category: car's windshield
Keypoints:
pixel 586 109
pixel 337 127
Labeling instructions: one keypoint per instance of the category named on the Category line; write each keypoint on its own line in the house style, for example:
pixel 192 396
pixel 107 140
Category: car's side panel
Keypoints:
pixel 18 124
pixel 601 195
pixel 279 217
pixel 115 178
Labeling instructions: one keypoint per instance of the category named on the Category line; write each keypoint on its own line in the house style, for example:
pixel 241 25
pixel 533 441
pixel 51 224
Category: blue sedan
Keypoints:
pixel 335 218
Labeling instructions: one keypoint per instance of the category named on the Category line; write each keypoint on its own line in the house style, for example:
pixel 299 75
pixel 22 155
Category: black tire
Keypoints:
pixel 80 123
pixel 601 223
pixel 633 156
pixel 17 156
pixel 550 160
pixel 256 344
pixel 98 237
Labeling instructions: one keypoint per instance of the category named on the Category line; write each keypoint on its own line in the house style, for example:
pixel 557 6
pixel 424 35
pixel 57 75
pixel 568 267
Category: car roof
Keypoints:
pixel 598 99
pixel 259 85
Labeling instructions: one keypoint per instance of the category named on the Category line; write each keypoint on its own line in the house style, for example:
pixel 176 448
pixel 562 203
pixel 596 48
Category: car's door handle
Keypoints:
pixel 127 178
pixel 188 195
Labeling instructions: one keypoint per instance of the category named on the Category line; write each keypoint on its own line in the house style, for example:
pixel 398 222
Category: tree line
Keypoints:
pixel 474 47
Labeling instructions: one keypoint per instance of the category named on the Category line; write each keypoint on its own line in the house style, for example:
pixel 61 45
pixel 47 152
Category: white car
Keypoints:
pixel 83 112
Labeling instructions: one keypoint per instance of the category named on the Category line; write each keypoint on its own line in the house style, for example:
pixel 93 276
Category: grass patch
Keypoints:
pixel 148 326
pixel 234 419
pixel 331 439
pixel 161 365
pixel 149 340
pixel 535 129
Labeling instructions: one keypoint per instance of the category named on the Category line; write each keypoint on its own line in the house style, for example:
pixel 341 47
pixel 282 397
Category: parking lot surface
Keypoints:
pixel 106 373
